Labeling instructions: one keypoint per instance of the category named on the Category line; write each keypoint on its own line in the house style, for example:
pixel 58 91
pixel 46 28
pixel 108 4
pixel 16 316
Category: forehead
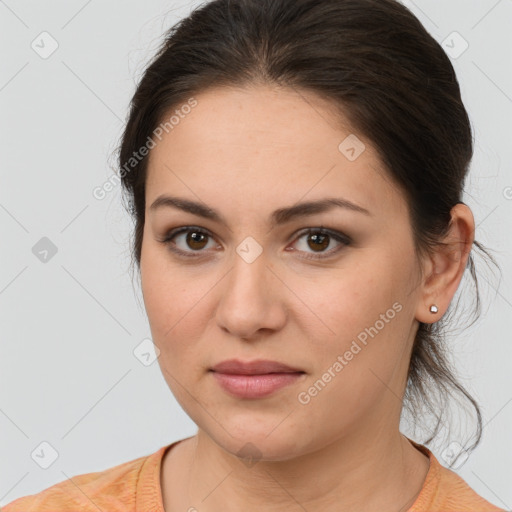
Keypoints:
pixel 267 143
pixel 265 116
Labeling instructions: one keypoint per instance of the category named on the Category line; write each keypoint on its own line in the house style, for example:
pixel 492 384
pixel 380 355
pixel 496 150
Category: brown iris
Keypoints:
pixel 196 240
pixel 321 240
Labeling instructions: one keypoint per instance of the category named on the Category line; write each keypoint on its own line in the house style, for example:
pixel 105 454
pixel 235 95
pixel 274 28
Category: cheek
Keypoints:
pixel 360 313
pixel 162 290
pixel 355 366
pixel 345 301
pixel 175 303
pixel 175 313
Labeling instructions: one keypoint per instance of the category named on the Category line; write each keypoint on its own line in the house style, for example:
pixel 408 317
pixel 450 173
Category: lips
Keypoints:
pixel 256 367
pixel 255 379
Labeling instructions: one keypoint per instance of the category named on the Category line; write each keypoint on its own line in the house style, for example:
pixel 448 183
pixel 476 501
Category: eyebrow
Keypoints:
pixel 279 216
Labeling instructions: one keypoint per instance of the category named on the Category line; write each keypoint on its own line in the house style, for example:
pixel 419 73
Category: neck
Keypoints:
pixel 361 471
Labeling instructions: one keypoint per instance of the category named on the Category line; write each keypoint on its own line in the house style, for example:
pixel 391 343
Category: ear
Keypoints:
pixel 444 267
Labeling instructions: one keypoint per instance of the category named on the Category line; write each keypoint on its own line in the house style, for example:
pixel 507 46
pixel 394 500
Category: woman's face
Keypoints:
pixel 245 287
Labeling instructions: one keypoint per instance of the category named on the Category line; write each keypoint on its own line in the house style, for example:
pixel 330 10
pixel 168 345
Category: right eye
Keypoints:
pixel 192 239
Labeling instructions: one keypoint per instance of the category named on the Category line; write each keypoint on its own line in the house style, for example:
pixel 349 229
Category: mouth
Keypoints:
pixel 256 367
pixel 254 379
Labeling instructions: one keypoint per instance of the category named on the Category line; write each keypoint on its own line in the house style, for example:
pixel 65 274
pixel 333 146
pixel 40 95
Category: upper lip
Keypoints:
pixel 256 367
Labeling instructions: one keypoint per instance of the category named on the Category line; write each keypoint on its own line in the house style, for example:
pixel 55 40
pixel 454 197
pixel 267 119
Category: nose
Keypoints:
pixel 251 299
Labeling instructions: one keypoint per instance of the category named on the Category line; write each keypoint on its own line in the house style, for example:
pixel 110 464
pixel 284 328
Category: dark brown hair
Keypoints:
pixel 374 61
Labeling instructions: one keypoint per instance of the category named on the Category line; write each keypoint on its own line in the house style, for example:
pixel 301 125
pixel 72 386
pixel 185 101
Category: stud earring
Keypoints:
pixel 433 309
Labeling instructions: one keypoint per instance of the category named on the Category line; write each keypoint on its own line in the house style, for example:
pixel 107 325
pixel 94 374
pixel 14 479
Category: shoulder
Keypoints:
pixel 113 489
pixel 455 494
pixel 445 491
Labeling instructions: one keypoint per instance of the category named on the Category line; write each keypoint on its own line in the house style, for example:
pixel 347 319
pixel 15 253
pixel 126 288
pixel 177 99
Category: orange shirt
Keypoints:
pixel 135 486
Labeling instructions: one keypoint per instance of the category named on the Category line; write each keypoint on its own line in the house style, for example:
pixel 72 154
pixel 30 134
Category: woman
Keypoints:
pixel 295 169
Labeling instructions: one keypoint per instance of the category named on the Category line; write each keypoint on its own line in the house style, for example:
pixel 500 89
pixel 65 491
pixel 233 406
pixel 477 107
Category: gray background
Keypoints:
pixel 70 324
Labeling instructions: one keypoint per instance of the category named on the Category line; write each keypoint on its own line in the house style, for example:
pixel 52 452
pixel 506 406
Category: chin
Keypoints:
pixel 257 440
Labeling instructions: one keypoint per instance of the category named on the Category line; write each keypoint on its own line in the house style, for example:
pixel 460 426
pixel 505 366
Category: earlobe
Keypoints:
pixel 448 262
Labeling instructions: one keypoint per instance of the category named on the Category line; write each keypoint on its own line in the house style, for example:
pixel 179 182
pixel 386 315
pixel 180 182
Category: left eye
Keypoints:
pixel 197 239
pixel 320 239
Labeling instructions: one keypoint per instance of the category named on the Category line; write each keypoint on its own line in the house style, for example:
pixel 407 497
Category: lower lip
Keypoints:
pixel 255 386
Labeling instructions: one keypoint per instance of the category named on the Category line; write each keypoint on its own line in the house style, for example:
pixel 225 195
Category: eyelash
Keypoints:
pixel 336 235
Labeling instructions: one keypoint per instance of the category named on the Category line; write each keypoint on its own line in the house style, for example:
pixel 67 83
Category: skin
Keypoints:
pixel 246 152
